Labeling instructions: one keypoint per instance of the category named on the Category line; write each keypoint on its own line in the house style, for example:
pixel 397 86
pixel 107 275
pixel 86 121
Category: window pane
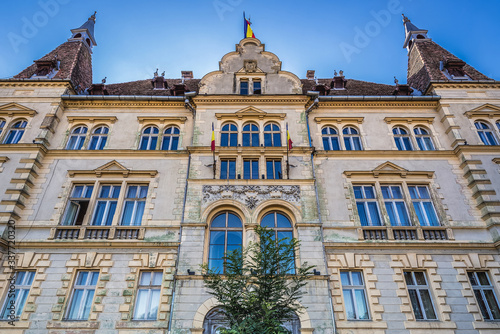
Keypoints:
pixel 420 214
pixel 356 278
pixel 335 143
pixel 409 278
pixel 232 169
pixel 219 221
pixel 255 169
pixel 99 213
pixel 357 143
pixel 145 278
pixel 403 214
pixel 481 304
pixel 127 213
pixel 420 278
pixel 369 192
pixel 362 214
pixel 431 214
pixel 217 237
pixel 233 220
pixel 138 213
pixel 246 139
pixel 234 139
pixel 347 143
pixel 132 192
pixel 216 265
pixel 283 221
pixel 361 304
pixel 224 139
pixel 157 277
pixel 234 238
pixel 255 139
pixel 415 304
pixel 392 216
pixel 358 192
pixel 349 304
pixel 141 304
pixel 223 169
pixel 426 301
pixel 154 303
pixel 492 303
pixel 75 304
pixel 277 139
pixel 268 140
pixel 483 278
pixel 344 278
pixel 216 251
pixel 268 221
pixel 374 214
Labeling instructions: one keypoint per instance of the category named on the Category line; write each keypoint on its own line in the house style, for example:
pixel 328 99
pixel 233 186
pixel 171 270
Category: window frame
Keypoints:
pixel 422 207
pixel 350 137
pixel 251 164
pixel 481 288
pixel 232 134
pixel 330 137
pixel 483 133
pixel 150 287
pixel 76 140
pixel 102 138
pixel 136 200
pixel 418 294
pixel 273 134
pixel 226 229
pixel 228 169
pixel 107 200
pixel 276 175
pixel 400 138
pixel 277 229
pixel 251 133
pixel 352 288
pixel 18 131
pixel 172 144
pixel 365 200
pixel 392 203
pixel 420 138
pixel 85 288
pixel 72 199
pixel 18 298
pixel 152 136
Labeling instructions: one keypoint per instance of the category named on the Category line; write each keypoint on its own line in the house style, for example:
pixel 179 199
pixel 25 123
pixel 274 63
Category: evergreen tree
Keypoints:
pixel 261 287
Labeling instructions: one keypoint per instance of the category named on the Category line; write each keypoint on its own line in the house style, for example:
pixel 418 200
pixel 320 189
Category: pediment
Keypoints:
pixel 251 112
pixel 389 169
pixel 15 109
pixel 112 169
pixel 486 110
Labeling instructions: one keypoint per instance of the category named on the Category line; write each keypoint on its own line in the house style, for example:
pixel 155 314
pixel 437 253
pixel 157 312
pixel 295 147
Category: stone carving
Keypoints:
pixel 250 66
pixel 251 196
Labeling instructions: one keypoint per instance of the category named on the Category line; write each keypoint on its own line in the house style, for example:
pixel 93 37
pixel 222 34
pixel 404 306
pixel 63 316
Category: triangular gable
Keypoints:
pixel 15 109
pixel 251 112
pixel 486 110
pixel 389 169
pixel 112 168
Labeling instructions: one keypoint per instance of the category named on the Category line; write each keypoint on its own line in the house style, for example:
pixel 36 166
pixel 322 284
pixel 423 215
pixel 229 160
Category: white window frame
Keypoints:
pixel 21 294
pixel 419 288
pixel 86 288
pixel 489 129
pixel 422 133
pixel 150 288
pixel 365 201
pixel 351 288
pixel 481 288
pixel 102 136
pixel 171 135
pixel 272 133
pixel 419 201
pixel 349 136
pixel 392 202
pixel 18 132
pixel 329 137
pixel 72 200
pixel 150 137
pixel 136 200
pixel 108 200
pixel 398 137
pixel 79 141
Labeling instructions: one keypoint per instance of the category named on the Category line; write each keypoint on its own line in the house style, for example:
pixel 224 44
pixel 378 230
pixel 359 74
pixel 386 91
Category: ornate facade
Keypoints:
pixel 111 196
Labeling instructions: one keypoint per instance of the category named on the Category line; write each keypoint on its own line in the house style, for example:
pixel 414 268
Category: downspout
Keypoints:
pixel 313 106
pixel 188 105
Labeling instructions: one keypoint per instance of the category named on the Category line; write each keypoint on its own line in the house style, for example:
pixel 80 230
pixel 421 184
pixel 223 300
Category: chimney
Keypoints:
pixel 98 89
pixel 310 74
pixel 338 81
pixel 186 75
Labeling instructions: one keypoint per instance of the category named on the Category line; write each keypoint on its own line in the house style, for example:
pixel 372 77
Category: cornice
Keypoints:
pixel 75 119
pixel 491 149
pixel 121 104
pixel 387 154
pixel 34 83
pixel 339 120
pixel 251 99
pixel 112 154
pixel 390 120
pixel 161 119
pixel 91 244
pixel 463 84
pixel 23 147
pixel 398 246
pixel 256 182
pixel 379 104
pixel 249 150
pixel 15 109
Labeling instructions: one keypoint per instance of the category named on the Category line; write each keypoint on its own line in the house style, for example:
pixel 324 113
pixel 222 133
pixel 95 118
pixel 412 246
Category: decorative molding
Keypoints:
pixel 389 169
pixel 250 112
pixel 496 160
pixel 15 109
pixel 409 120
pixel 380 104
pixel 251 99
pixel 112 168
pixel 161 119
pixel 4 159
pixel 486 110
pixel 250 196
pixel 94 119
pixel 121 104
pixel 339 120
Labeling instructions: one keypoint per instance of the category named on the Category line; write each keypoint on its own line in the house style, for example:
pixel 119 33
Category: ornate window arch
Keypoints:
pixel 225 235
pixel 170 139
pixel 99 137
pixel 16 131
pixel 251 135
pixel 486 133
pixel 423 138
pixel 149 138
pixel 330 138
pixel 352 139
pixel 77 138
pixel 229 135
pixel 282 227
pixel 402 138
pixel 272 135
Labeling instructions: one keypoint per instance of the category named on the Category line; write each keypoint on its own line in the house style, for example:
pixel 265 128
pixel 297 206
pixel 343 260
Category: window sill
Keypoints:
pixel 73 324
pixel 431 324
pixel 490 324
pixel 141 324
pixel 361 324
pixel 4 323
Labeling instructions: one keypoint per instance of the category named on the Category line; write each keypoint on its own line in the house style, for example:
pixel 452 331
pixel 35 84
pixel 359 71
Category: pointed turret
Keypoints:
pixel 71 60
pixel 85 33
pixel 428 61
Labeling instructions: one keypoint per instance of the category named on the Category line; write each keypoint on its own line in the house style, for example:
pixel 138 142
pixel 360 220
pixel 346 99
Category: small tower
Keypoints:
pixel 412 33
pixel 85 33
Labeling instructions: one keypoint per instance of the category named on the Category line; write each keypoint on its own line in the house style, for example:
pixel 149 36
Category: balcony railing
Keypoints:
pixel 415 233
pixel 97 233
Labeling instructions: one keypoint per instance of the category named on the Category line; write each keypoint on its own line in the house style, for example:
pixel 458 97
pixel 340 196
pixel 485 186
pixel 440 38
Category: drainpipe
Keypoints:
pixel 188 103
pixel 315 98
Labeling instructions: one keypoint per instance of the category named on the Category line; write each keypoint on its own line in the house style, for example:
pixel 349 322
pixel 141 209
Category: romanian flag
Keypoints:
pixel 288 140
pixel 213 138
pixel 247 29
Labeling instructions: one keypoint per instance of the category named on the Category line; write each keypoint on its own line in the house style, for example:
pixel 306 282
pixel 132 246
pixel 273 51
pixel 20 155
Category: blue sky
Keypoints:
pixel 364 38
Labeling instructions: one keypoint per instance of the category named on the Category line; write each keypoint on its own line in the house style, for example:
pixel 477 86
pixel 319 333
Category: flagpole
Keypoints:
pixel 215 168
pixel 287 149
pixel 212 147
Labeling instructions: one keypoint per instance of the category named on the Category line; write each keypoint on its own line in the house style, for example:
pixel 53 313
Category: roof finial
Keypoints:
pixel 92 17
pixel 104 80
pixel 405 19
pixel 396 81
pixel 341 73
pixel 335 73
pixel 163 73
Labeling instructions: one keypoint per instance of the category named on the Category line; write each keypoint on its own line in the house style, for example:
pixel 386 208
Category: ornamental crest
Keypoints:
pixel 251 196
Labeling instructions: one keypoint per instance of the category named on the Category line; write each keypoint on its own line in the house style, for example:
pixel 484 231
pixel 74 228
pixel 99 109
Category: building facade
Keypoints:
pixel 111 196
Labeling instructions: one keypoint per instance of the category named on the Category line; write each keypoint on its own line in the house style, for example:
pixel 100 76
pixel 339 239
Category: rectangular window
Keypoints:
pixel 77 205
pixel 244 87
pixel 424 208
pixel 257 89
pixel 250 169
pixel 148 295
pixel 227 169
pixel 273 167
pixel 353 289
pixel 14 301
pixel 133 208
pixel 82 295
pixel 395 205
pixel 366 203
pixel 106 205
pixel 420 296
pixel 485 295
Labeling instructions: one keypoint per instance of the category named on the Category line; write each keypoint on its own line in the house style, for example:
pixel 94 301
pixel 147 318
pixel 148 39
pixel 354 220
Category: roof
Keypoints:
pixel 424 65
pixel 352 87
pixel 144 87
pixel 75 64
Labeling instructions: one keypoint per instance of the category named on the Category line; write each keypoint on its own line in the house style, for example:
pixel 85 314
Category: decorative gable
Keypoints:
pixel 112 168
pixel 389 169
pixel 14 109
pixel 486 110
pixel 250 112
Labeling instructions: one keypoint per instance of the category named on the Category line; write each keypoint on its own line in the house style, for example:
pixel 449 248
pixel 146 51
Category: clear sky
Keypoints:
pixel 364 37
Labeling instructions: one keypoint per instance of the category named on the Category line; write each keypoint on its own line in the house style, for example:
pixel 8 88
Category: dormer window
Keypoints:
pixel 257 87
pixel 244 87
pixel 46 68
pixel 453 69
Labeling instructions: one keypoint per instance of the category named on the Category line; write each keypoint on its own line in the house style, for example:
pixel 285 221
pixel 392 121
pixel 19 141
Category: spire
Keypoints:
pixel 412 33
pixel 85 33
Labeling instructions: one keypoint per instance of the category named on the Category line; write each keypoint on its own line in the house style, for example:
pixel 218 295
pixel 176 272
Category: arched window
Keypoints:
pixel 226 235
pixel 330 139
pixel 77 138
pixel 149 138
pixel 16 132
pixel 170 138
pixel 485 133
pixel 402 139
pixel 424 140
pixel 250 135
pixel 282 228
pixel 99 138
pixel 272 135
pixel 2 125
pixel 229 135
pixel 352 141
pixel 498 125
